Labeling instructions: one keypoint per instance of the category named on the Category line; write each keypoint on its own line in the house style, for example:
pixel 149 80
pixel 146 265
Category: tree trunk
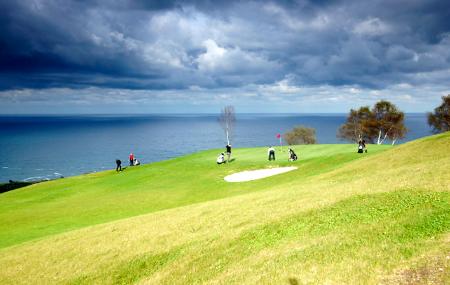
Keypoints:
pixel 228 138
pixel 394 140
pixel 385 136
pixel 379 137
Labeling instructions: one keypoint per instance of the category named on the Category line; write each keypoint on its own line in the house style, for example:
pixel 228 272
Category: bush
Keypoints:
pixel 300 135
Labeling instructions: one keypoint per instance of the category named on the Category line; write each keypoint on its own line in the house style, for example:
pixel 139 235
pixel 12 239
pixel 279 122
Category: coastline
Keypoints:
pixel 47 147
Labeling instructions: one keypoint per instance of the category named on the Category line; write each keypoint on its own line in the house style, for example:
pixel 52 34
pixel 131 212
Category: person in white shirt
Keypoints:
pixel 221 158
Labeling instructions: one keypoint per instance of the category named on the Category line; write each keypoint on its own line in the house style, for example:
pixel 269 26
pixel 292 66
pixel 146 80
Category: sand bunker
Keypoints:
pixel 257 174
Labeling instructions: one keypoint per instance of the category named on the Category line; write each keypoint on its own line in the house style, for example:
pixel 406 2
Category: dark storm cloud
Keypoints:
pixel 219 44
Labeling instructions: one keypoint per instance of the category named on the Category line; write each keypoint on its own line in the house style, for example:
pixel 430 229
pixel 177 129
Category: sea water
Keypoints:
pixel 47 147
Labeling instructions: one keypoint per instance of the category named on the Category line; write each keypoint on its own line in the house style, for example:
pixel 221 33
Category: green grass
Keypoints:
pixel 341 217
pixel 71 203
pixel 321 238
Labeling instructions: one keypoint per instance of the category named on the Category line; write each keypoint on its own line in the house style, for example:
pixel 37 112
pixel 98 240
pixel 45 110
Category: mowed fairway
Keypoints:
pixel 340 218
pixel 66 204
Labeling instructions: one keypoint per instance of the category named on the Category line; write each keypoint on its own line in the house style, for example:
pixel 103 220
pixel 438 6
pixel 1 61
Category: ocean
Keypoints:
pixel 48 147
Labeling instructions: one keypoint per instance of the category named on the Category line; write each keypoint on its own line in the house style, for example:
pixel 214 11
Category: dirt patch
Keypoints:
pixel 434 271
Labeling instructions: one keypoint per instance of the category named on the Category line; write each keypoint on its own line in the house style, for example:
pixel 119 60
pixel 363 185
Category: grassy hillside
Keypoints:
pixel 340 218
pixel 66 204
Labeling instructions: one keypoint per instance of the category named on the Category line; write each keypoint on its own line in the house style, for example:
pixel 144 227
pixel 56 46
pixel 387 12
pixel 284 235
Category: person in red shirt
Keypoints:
pixel 131 159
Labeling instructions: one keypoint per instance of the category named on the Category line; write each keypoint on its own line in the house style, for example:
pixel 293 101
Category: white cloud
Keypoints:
pixel 234 66
pixel 281 96
pixel 354 90
pixel 213 57
pixel 281 87
pixel 165 54
pixel 284 52
pixel 372 27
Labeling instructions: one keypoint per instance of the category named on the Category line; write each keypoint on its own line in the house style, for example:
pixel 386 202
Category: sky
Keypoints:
pixel 130 56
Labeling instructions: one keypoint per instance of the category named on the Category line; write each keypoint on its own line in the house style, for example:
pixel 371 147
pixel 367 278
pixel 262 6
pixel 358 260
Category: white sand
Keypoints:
pixel 257 174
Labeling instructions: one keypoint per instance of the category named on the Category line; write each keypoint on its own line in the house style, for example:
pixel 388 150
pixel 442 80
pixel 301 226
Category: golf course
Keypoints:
pixel 340 217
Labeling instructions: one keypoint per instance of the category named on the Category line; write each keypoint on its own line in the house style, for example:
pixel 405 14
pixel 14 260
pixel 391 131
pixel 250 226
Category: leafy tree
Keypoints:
pixel 440 119
pixel 227 119
pixel 359 125
pixel 389 122
pixel 300 135
pixel 383 121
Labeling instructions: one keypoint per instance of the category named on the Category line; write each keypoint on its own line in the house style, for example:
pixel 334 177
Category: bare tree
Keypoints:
pixel 227 119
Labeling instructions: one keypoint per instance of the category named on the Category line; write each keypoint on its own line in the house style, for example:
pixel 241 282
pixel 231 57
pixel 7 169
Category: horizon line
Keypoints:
pixel 199 113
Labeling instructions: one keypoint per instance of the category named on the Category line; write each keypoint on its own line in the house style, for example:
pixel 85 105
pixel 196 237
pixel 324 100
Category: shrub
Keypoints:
pixel 301 135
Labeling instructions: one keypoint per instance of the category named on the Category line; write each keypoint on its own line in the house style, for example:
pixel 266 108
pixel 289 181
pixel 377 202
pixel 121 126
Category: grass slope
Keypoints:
pixel 339 218
pixel 66 204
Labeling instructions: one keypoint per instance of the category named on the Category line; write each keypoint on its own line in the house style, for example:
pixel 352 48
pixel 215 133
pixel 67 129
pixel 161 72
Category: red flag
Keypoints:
pixel 278 136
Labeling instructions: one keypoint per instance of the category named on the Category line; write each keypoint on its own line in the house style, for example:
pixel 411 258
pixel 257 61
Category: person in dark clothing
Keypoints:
pixel 118 165
pixel 228 152
pixel 292 155
pixel 271 153
pixel 362 146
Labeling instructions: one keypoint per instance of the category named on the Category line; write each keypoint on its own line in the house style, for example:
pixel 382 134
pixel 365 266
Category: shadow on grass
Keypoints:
pixel 5 187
